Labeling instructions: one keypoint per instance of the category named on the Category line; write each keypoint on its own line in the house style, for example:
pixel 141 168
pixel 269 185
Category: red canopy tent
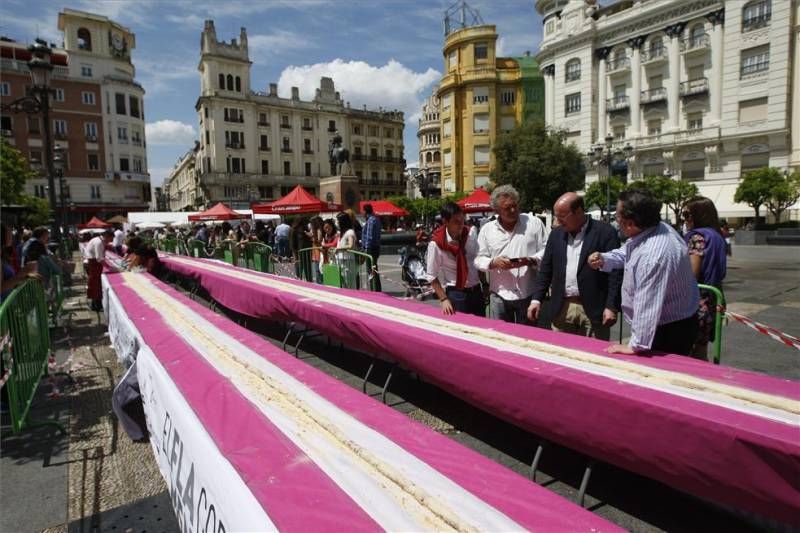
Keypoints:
pixel 94 223
pixel 477 202
pixel 383 208
pixel 218 212
pixel 297 202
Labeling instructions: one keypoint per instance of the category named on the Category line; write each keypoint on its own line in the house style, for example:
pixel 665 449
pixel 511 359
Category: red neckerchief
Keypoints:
pixel 439 236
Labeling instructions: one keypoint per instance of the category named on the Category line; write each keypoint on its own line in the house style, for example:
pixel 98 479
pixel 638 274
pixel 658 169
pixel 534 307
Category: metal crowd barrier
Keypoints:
pixel 258 257
pixel 25 338
pixel 719 306
pixel 196 248
pixel 58 297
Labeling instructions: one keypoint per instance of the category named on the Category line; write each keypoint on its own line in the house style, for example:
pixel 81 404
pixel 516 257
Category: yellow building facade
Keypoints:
pixel 481 96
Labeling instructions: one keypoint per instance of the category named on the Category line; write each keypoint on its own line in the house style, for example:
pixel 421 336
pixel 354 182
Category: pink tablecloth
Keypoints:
pixel 732 457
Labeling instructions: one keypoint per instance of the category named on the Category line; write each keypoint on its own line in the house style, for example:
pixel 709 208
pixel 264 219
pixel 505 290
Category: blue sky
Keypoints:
pixel 379 52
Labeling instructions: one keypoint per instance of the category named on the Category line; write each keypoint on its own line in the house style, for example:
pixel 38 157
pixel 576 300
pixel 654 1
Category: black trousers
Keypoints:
pixel 469 300
pixel 375 253
pixel 676 337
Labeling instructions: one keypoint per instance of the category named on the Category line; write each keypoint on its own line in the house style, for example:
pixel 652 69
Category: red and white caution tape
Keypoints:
pixel 785 338
pixel 7 373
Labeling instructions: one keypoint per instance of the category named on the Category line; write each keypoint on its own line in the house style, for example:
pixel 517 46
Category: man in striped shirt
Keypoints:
pixel 659 291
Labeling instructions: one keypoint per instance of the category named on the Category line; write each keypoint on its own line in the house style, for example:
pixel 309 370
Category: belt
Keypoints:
pixel 574 299
pixel 475 288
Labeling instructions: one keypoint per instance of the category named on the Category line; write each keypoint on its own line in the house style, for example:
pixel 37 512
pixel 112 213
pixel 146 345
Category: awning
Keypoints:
pixel 218 212
pixel 383 208
pixel 298 201
pixel 722 196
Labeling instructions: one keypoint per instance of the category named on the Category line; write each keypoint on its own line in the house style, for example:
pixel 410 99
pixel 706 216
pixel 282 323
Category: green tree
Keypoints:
pixel 673 193
pixel 596 193
pixel 38 212
pixel 14 171
pixel 783 195
pixel 539 163
pixel 757 187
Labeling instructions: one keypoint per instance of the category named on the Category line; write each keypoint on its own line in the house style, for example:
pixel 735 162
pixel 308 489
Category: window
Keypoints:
pixel 124 164
pixel 286 189
pixel 756 15
pixel 480 123
pixel 619 133
pixel 694 121
pixel 373 131
pixel 307 123
pixel 654 127
pixel 287 168
pixel 264 167
pixel 87 97
pixel 235 165
pixel 265 192
pixel 481 155
pixel 86 71
pixel 754 161
pixel 59 94
pixel 752 110
pixel 33 125
pixel 573 70
pixel 388 133
pixel 481 51
pixel 653 169
pixel 446 100
pixel 308 169
pixel 286 147
pixel 40 191
pixel 229 82
pixel 120 101
pixel 136 137
pixel 84 39
pixel 36 157
pixel 122 134
pixel 508 96
pixel 264 143
pixel 696 72
pixel 357 129
pixel 222 81
pixel 656 48
pixel 90 128
pixel 755 60
pixel 262 119
pixel 447 129
pixel 60 127
pixel 234 139
pixel 5 123
pixel 307 146
pixel 134 104
pixel 138 164
pixel 208 138
pixel 480 95
pixel 5 89
pixel 507 123
pixel 697 35
pixel 448 159
pixel 94 191
pixel 452 60
pixel 238 84
pixel 572 103
pixel 655 82
pixel 693 169
pixel 94 162
pixel 389 155
pixel 331 125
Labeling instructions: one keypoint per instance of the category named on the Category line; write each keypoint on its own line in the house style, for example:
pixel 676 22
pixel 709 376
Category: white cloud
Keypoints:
pixel 276 43
pixel 170 132
pixel 157 79
pixel 391 86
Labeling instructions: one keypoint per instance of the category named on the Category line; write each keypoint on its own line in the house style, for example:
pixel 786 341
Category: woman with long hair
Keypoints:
pixel 708 258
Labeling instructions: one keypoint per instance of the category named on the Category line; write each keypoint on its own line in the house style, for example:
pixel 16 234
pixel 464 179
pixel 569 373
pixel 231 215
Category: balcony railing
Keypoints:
pixel 61 135
pixel 263 124
pixel 331 130
pixel 286 126
pixel 234 119
pixel 619 64
pixel 91 138
pixel 755 67
pixel 654 53
pixel 654 95
pixel 754 23
pixel 699 42
pixel 692 87
pixel 235 145
pixel 373 157
pixel 308 151
pixel 358 157
pixel 136 142
pixel 286 150
pixel 618 103
pixel 307 128
pixel 264 148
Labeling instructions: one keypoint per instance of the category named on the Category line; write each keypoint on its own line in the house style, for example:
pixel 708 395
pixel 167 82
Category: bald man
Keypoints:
pixel 583 301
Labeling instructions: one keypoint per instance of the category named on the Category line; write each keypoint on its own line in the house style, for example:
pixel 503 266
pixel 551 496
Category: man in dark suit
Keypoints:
pixel 583 301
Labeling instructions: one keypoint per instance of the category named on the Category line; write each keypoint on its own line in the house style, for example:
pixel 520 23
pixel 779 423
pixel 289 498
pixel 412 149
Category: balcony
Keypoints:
pixel 263 124
pixel 308 151
pixel 62 135
pixel 6 133
pixel 331 129
pixel 136 142
pixel 286 126
pixel 694 87
pixel 264 148
pixel 754 23
pixel 653 55
pixel 307 128
pixel 619 65
pixel 358 157
pixel 374 157
pixel 286 150
pixel 91 138
pixel 618 103
pixel 652 96
pixel 699 43
pixel 239 120
pixel 235 145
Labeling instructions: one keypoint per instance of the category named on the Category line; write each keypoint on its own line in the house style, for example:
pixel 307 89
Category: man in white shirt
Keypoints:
pixel 450 264
pixel 119 240
pixel 509 247
pixel 96 254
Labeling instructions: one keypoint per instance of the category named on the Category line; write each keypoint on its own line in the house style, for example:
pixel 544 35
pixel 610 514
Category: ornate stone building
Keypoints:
pixel 429 135
pixel 699 88
pixel 257 146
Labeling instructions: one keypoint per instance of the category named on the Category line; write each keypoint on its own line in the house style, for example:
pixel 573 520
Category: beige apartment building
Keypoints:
pixel 429 136
pixel 257 146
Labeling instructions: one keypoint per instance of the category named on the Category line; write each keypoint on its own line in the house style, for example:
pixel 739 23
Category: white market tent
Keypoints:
pixel 180 218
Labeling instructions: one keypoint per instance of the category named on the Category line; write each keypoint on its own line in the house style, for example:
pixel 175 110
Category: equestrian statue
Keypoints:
pixel 338 155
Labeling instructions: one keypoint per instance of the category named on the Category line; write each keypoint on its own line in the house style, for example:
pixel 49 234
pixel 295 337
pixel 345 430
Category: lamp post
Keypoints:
pixel 59 163
pixel 38 102
pixel 604 155
pixel 423 180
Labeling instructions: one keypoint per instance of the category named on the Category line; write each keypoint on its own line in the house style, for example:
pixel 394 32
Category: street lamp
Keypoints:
pixel 59 162
pixel 424 180
pixel 38 102
pixel 604 155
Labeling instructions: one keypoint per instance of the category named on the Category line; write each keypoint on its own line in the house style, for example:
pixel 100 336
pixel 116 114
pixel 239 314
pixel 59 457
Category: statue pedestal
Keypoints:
pixel 340 190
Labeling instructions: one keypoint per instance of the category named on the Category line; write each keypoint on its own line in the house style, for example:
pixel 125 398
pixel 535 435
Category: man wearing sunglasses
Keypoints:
pixel 659 290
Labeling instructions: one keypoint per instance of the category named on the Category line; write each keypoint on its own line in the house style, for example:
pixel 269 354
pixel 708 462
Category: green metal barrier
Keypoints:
pixel 228 251
pixel 196 248
pixel 258 257
pixel 57 301
pixel 307 264
pixel 356 270
pixel 168 244
pixel 719 305
pixel 23 322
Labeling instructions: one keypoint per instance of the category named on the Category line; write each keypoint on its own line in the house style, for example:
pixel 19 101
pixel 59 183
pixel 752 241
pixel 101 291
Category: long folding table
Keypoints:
pixel 251 439
pixel 726 435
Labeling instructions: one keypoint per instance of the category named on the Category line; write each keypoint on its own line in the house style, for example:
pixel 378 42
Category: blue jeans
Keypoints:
pixel 283 246
pixel 514 311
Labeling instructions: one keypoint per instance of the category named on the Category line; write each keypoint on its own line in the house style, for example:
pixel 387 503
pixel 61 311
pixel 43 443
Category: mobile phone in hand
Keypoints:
pixel 516 260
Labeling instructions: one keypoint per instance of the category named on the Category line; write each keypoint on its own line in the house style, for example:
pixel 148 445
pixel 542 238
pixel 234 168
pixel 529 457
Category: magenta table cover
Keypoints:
pixel 727 435
pixel 250 438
